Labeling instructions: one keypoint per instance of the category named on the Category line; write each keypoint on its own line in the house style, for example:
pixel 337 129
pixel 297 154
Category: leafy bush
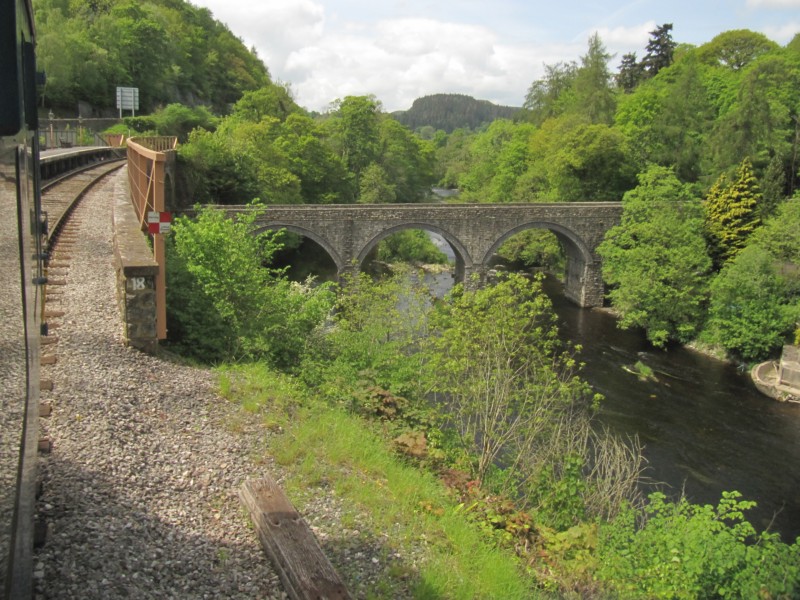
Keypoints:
pixel 686 550
pixel 226 305
pixel 410 245
pixel 377 328
pixel 535 248
pixel 216 174
pixel 495 360
pixel 752 309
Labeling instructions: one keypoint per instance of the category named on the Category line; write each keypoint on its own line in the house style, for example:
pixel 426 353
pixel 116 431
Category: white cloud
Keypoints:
pixel 782 34
pixel 399 60
pixel 636 36
pixel 399 51
pixel 274 27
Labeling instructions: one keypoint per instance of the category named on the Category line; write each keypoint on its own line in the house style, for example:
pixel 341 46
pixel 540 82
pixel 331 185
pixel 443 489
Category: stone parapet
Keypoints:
pixel 136 273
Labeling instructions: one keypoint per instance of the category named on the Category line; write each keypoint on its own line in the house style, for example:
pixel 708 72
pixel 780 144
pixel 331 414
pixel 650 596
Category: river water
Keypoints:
pixel 705 427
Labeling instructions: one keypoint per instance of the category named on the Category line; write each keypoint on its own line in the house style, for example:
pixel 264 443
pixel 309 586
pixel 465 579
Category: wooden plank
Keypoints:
pixel 290 544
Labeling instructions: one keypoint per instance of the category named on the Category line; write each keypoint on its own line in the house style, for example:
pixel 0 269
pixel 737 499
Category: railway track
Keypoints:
pixel 60 197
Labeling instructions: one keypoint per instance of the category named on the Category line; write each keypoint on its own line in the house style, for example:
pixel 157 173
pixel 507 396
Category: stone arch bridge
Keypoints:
pixel 475 231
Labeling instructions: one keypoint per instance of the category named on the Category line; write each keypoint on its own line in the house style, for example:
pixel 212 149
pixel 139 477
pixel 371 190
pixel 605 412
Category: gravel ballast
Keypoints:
pixel 139 492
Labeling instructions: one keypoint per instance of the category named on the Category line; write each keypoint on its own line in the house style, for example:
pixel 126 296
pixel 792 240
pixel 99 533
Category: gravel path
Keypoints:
pixel 139 491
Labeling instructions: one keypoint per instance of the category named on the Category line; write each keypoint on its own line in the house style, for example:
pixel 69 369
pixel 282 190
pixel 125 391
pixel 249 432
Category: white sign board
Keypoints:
pixel 127 99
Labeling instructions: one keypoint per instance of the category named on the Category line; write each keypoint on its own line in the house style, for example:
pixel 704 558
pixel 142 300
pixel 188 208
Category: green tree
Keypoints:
pixel 736 49
pixel 257 312
pixel 631 73
pixel 172 51
pixel 660 50
pixel 272 100
pixel 180 120
pixel 139 48
pixel 406 159
pixel 732 213
pixel 376 187
pixel 548 97
pixel 758 120
pixel 213 172
pixel 780 235
pixel 773 186
pixel 357 133
pixel 410 245
pixel 753 306
pixel 497 157
pixel 589 163
pixel 495 359
pixel 323 177
pixel 534 248
pixel 755 300
pixel 668 118
pixel 593 94
pixel 452 158
pixel 655 261
pixel 277 184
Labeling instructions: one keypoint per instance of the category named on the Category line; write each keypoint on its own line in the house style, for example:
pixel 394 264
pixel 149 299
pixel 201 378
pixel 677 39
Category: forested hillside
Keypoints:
pixel 171 50
pixel 449 112
pixel 701 145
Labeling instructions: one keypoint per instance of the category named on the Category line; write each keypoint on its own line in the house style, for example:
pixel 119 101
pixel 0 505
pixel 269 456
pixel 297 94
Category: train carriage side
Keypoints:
pixel 20 296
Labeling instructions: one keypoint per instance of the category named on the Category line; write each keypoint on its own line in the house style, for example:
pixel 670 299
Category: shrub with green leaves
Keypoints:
pixel 686 550
pixel 410 245
pixel 495 362
pixel 225 304
pixel 376 332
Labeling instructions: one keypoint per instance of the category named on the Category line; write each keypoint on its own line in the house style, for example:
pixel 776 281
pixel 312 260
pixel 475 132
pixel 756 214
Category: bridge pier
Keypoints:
pixel 583 283
pixel 346 272
pixel 473 276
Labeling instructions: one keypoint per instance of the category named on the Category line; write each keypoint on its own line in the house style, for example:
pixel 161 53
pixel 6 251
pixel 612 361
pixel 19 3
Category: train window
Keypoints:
pixel 10 109
pixel 29 70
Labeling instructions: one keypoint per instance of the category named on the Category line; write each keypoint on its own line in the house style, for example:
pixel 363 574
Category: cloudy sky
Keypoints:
pixel 400 50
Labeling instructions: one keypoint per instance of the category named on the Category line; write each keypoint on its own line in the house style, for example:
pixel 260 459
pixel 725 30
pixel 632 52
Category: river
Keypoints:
pixel 705 427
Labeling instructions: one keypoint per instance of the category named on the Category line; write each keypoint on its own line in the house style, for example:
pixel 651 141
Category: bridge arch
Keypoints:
pixel 582 271
pixel 463 257
pixel 568 237
pixel 312 235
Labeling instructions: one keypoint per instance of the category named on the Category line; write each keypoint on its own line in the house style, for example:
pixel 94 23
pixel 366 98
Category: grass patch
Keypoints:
pixel 327 445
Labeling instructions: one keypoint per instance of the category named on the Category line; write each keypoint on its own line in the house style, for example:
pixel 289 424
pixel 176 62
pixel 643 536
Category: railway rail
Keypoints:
pixel 61 195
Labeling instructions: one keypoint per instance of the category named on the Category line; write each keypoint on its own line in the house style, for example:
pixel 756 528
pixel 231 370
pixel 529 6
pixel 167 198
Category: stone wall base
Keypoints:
pixel 136 273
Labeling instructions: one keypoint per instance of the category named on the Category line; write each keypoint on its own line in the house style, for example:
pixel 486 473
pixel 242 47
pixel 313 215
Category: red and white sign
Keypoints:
pixel 158 222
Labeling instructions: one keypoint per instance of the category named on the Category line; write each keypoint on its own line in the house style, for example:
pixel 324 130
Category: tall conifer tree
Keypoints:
pixel 732 213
